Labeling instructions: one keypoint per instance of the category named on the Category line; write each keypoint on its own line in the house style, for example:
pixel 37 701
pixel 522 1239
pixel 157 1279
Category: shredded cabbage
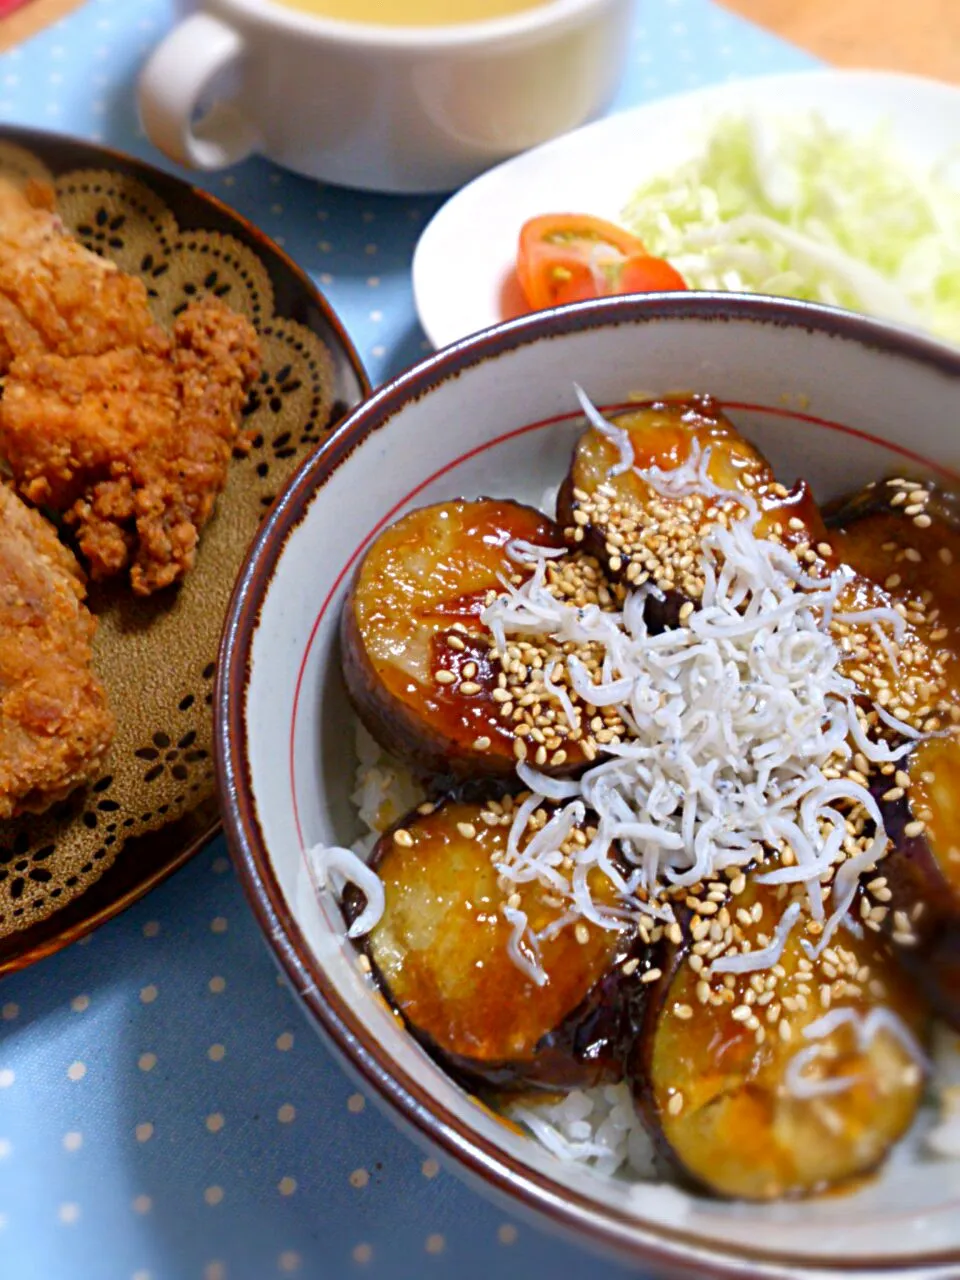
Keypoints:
pixel 795 208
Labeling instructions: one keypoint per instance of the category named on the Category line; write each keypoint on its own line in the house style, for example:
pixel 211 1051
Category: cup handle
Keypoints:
pixel 171 89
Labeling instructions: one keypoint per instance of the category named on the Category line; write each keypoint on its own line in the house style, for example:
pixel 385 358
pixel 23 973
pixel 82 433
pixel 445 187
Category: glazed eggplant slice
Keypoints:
pixel 442 955
pixel 416 655
pixel 905 535
pixel 785 1081
pixel 916 889
pixel 642 535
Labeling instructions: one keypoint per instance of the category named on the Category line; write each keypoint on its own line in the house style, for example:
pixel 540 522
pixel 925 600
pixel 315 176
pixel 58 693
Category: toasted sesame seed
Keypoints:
pixel 403 838
pixel 481 744
pixel 581 933
pixel 445 677
pixel 675 1105
pixel 467 830
pixel 630 966
pixel 651 975
pixel 468 688
pixel 922 521
pixel 913 829
pixel 741 1013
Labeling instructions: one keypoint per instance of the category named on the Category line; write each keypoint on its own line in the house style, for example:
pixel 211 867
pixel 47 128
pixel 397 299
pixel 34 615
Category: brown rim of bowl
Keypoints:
pixel 669 1248
pixel 61 153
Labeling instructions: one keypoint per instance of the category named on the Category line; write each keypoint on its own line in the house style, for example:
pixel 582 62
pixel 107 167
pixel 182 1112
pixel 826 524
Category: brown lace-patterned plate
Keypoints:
pixel 155 805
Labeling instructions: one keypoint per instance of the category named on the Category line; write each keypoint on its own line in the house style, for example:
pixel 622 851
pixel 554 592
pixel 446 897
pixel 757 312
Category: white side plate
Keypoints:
pixel 466 253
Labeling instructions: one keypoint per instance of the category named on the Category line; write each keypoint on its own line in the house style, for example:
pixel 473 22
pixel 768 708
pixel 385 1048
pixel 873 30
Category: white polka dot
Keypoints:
pixel 324 246
pixel 229 180
pixel 79 1004
pixel 214 1122
pixel 142 1204
pixel 281 240
pixel 287 1113
pixel 287 1186
pixel 148 994
pixel 10 1011
pixel 356 1102
pixel 218 924
pixel 285 1041
pixel 12 80
pixel 326 277
pixel 214 1271
pixel 217 984
pixel 362 1253
pixel 322 214
pixel 151 928
pixel 7 1077
pixel 6 1146
pixel 378 351
pixel 429 1168
pixel 289 1261
pixel 275 179
pixel 3 1216
pixel 507 1234
pixel 220 865
pixel 141 1275
pixel 276 209
pixel 373 282
pixel 86 940
pixel 216 1053
pixel 678 28
pixel 69 1213
pixel 144 1131
pixel 376 316
pixel 72 1141
pixel 359 1178
pixel 147 1061
pixel 367 216
pixel 370 249
pixel 213 1195
pixel 435 1243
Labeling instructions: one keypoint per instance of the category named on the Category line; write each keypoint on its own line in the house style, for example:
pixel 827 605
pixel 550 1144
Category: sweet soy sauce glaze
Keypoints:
pixel 416 651
pixel 787 1077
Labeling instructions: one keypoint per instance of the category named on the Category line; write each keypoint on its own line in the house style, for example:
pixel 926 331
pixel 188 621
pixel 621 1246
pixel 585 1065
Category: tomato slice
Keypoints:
pixel 568 257
pixel 643 274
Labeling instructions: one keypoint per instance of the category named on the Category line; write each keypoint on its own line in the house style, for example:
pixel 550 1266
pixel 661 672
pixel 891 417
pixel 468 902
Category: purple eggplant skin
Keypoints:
pixel 711 1090
pixel 459 1019
pixel 919 888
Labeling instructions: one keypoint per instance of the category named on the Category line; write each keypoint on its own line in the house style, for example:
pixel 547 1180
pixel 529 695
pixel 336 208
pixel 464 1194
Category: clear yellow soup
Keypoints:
pixel 412 13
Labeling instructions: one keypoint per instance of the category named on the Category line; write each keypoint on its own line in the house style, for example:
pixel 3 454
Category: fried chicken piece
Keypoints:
pixel 125 430
pixel 55 295
pixel 55 725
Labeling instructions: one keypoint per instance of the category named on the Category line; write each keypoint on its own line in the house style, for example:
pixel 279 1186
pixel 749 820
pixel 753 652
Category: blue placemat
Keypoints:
pixel 166 1113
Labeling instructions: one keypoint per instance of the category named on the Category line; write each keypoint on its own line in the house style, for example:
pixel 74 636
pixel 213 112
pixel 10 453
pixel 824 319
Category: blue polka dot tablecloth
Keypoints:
pixel 166 1111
